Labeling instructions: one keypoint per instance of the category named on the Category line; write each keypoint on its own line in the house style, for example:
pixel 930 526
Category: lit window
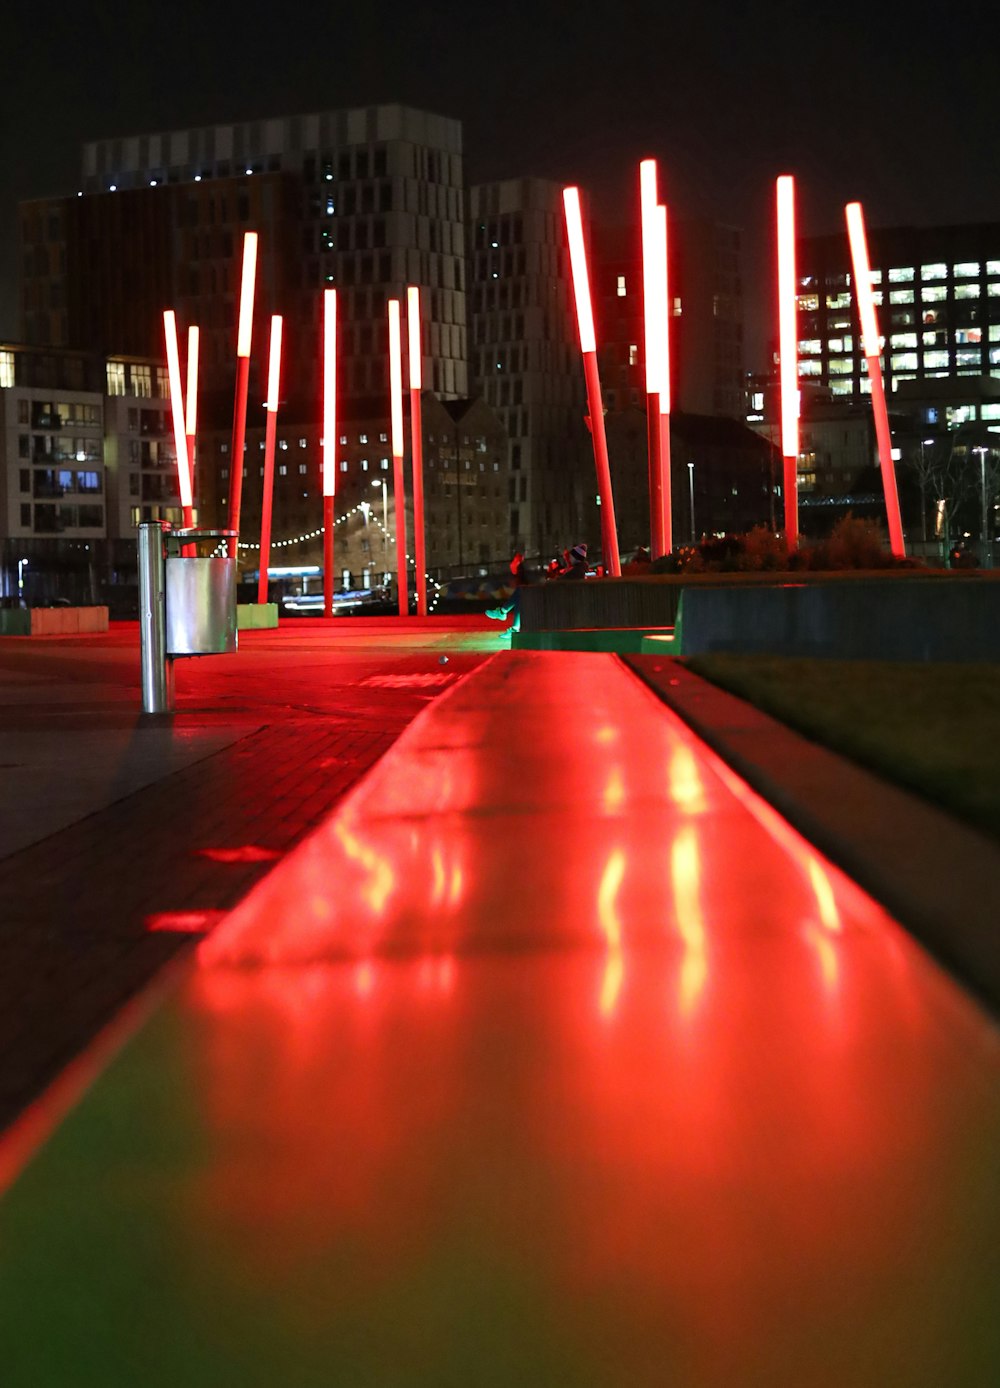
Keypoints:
pixel 964 335
pixel 116 378
pixel 993 289
pixel 302 443
pixel 343 438
pixel 933 272
pixel 7 370
pixel 633 354
pixel 901 276
pixel 841 388
pixel 364 464
pixel 384 464
pixel 303 469
pixel 282 470
pixel 904 361
pixel 842 366
pixel 142 382
pixel 968 357
pixel 384 438
pixel 933 295
pixel 621 286
pixel 809 368
pixel 967 270
pixel 808 303
pixel 840 344
pixel 901 296
pixel 811 346
pixel 362 438
pixel 903 340
pixel 933 361
pixel 283 445
pixel 842 300
pixel 343 464
pixel 966 291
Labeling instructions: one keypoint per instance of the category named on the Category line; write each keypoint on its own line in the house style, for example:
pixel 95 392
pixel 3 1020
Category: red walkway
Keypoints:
pixel 552 1057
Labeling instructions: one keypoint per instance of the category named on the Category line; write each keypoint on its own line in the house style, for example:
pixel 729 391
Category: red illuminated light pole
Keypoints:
pixel 177 412
pixel 663 452
pixel 653 217
pixel 788 356
pixel 243 336
pixel 870 341
pixel 329 440
pixel 271 413
pixel 396 417
pixel 417 445
pixel 191 404
pixel 588 347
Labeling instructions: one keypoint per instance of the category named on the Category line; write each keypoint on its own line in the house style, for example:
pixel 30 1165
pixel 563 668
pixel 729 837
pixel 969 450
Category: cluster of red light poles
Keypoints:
pixel 185 428
pixel 656 328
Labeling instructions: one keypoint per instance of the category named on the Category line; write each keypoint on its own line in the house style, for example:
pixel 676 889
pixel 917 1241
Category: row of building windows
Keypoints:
pixel 929 294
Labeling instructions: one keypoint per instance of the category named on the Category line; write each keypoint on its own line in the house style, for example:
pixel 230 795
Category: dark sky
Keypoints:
pixel 887 101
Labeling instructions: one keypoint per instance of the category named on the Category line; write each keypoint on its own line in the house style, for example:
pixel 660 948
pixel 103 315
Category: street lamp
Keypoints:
pixel 924 443
pixel 986 558
pixel 380 482
pixel 691 494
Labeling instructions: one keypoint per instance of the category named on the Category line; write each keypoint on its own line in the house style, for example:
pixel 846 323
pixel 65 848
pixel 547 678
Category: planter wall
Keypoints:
pixel 882 619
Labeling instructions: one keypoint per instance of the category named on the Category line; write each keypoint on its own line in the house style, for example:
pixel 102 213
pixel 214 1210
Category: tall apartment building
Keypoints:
pixel 937 290
pixel 86 453
pixel 525 357
pixel 367 201
pixel 706 325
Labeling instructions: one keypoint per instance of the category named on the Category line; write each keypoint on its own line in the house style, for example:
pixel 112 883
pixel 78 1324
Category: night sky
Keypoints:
pixel 891 102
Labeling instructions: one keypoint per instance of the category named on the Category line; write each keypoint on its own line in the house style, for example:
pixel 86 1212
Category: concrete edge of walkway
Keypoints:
pixel 938 877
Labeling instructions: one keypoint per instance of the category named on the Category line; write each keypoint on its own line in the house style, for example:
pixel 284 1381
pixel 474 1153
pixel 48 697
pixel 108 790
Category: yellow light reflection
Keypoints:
pixel 607 914
pixel 686 788
pixel 685 871
pixel 825 899
pixel 382 880
pixel 614 790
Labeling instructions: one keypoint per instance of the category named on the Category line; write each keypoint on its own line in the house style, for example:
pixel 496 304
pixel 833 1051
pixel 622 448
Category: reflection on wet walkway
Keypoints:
pixel 554 1058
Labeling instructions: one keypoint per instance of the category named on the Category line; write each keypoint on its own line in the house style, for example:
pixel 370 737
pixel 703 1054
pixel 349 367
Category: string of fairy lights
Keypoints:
pixel 367 511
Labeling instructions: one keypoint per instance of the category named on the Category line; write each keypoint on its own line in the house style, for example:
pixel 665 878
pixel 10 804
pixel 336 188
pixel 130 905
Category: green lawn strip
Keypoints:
pixel 932 728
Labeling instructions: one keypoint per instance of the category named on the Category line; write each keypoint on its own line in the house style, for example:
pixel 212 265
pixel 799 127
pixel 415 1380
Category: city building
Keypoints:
pixel 723 476
pixel 706 323
pixel 86 453
pixel 466 481
pixel 525 358
pixel 367 201
pixel 937 291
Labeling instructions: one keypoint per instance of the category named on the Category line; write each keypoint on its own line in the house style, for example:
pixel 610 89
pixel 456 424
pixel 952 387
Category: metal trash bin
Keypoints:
pixel 187 604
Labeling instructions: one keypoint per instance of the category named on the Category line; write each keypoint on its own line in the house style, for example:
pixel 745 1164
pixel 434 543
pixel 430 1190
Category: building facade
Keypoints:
pixel 366 201
pixel 526 360
pixel 937 292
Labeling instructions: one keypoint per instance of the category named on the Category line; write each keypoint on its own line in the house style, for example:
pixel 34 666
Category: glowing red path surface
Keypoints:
pixel 554 1057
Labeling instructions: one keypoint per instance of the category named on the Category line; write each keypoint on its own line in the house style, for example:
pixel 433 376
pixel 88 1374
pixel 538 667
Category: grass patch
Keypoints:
pixel 932 728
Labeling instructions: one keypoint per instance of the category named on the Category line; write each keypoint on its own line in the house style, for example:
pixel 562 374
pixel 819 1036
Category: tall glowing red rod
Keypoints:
pixel 588 347
pixel 788 356
pixel 396 428
pixel 665 497
pixel 191 411
pixel 243 337
pixel 177 414
pixel 417 445
pixel 870 342
pixel 654 304
pixel 329 440
pixel 271 418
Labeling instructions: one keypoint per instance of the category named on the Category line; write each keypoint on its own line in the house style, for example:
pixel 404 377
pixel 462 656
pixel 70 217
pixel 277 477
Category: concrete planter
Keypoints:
pixel 256 616
pixel 52 621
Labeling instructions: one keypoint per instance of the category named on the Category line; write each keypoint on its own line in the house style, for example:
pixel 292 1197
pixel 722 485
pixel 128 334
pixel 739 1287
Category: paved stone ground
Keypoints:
pixel 92 911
